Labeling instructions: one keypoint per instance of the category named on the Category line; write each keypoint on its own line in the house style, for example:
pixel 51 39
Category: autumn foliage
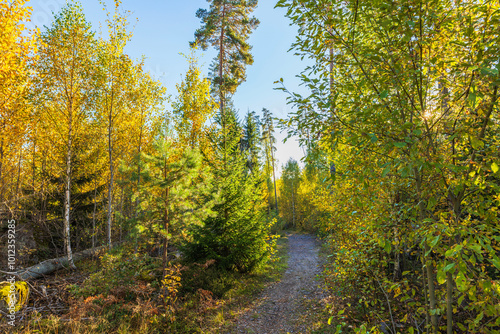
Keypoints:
pixel 403 112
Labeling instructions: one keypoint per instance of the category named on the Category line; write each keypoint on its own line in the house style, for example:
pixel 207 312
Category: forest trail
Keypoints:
pixel 281 306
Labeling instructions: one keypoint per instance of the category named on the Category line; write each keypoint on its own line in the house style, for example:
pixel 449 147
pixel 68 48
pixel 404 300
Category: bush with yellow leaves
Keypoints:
pixel 13 294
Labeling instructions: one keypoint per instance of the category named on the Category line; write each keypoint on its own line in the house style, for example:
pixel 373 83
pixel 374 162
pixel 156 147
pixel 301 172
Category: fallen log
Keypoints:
pixel 48 266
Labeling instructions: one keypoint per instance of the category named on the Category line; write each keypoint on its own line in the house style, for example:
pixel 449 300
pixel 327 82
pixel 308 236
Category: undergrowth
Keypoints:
pixel 126 295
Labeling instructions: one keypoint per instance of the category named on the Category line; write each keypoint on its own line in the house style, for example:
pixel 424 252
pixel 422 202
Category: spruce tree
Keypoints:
pixel 236 236
pixel 251 142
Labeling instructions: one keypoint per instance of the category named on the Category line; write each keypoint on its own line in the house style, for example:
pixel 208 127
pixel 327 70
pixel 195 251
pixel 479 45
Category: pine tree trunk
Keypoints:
pixel 274 181
pixel 293 207
pixel 221 83
pixel 268 170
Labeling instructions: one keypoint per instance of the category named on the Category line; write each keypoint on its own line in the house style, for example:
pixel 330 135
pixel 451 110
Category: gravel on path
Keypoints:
pixel 279 307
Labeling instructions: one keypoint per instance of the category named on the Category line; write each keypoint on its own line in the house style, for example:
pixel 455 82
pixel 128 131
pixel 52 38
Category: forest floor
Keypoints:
pixel 284 297
pixel 295 304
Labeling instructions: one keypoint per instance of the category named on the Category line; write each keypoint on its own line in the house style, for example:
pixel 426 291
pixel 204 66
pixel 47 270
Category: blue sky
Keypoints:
pixel 163 29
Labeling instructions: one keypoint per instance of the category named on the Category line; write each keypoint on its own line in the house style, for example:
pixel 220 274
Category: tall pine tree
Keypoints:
pixel 226 26
pixel 268 140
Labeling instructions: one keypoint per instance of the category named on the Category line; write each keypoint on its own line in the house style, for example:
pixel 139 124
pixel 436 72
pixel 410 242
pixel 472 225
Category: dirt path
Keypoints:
pixel 281 306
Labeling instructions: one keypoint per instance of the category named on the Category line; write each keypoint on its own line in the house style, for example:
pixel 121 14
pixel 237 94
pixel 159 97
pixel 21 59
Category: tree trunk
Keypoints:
pixel 221 89
pixel 111 171
pixel 267 185
pixel 432 293
pixel 43 198
pixel 165 223
pixel 49 266
pixel 121 213
pixel 33 165
pixel 274 179
pixel 425 296
pixel 18 174
pixel 165 237
pixel 428 263
pixel 1 172
pixel 67 198
pixel 397 259
pixel 139 150
pixel 94 213
pixel 293 207
pixel 449 303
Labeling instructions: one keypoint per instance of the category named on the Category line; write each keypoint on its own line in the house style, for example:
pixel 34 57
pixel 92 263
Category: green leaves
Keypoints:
pixel 441 277
pixel 461 282
pixel 494 167
pixel 491 72
pixel 449 267
pixel 454 250
pixel 386 244
pixel 496 262
pixel 433 242
pixel 442 273
pixel 476 143
pixel 280 4
pixel 475 247
pixel 386 170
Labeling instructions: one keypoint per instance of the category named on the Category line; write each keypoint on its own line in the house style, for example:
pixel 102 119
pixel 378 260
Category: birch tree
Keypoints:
pixel 64 88
pixel 114 65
